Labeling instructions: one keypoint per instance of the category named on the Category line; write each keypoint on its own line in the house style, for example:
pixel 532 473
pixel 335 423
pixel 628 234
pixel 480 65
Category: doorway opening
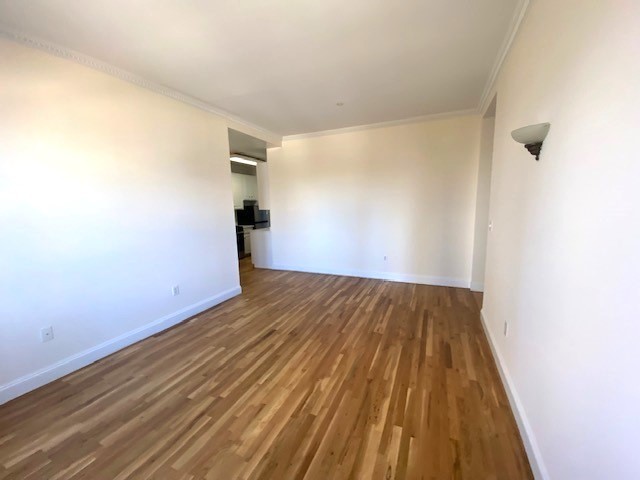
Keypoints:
pixel 482 223
pixel 248 157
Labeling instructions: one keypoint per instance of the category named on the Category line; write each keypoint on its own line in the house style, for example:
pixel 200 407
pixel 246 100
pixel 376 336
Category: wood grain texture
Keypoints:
pixel 303 376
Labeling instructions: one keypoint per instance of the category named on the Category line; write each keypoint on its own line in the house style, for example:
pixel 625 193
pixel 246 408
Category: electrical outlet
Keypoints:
pixel 46 334
pixel 506 328
pixel 175 290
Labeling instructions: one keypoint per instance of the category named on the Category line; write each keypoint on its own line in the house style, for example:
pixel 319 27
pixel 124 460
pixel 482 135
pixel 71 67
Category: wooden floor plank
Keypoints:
pixel 303 376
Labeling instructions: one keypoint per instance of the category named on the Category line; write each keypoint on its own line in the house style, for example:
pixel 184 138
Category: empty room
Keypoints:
pixel 319 239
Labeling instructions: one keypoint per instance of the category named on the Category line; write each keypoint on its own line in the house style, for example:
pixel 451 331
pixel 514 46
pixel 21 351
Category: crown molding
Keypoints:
pixel 87 61
pixel 514 25
pixel 485 99
pixel 273 138
pixel 391 123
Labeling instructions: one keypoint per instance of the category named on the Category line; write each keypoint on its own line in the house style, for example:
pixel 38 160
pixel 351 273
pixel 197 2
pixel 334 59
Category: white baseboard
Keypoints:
pixel 45 375
pixel 393 277
pixel 526 432
pixel 477 287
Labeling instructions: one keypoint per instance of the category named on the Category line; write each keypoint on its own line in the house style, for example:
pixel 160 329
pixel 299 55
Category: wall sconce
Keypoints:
pixel 532 137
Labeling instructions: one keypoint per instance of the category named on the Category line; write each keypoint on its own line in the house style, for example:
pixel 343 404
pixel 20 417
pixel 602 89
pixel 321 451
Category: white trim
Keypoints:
pixel 526 432
pixel 87 61
pixel 82 59
pixel 486 97
pixel 512 30
pixel 393 277
pixel 390 123
pixel 48 374
pixel 476 287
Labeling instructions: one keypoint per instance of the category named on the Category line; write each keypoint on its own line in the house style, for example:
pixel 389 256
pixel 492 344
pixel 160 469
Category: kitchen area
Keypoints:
pixel 249 183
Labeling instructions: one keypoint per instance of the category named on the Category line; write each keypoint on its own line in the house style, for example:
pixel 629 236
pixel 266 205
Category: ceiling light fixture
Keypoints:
pixel 339 104
pixel 244 160
pixel 532 137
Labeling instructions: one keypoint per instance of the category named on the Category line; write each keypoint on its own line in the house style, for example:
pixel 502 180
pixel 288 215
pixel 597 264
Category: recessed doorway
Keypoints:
pixel 247 157
pixel 482 223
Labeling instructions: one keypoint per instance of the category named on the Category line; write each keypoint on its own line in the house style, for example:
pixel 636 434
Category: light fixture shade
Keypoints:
pixel 244 160
pixel 531 134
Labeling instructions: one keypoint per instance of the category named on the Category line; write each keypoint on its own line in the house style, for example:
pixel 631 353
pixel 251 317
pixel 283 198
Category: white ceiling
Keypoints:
pixel 284 64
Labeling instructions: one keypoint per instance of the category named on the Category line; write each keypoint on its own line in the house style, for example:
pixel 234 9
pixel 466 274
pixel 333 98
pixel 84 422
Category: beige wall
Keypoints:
pixel 110 195
pixel 340 203
pixel 563 258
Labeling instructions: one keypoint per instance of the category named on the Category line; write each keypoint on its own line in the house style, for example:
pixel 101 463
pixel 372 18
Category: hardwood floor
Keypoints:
pixel 245 265
pixel 303 376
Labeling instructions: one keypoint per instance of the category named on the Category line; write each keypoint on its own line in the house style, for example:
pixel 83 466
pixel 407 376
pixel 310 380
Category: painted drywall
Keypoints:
pixel 482 204
pixel 342 203
pixel 110 196
pixel 284 64
pixel 264 196
pixel 563 258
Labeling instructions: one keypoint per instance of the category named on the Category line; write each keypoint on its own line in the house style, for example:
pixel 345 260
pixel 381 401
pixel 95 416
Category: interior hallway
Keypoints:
pixel 302 376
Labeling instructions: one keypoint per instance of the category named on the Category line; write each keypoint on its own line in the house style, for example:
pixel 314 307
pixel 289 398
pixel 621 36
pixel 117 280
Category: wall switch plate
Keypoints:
pixel 491 226
pixel 175 290
pixel 385 258
pixel 46 334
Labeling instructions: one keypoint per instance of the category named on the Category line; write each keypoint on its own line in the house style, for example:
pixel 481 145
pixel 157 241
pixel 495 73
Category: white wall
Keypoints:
pixel 109 196
pixel 340 203
pixel 262 176
pixel 563 262
pixel 482 204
